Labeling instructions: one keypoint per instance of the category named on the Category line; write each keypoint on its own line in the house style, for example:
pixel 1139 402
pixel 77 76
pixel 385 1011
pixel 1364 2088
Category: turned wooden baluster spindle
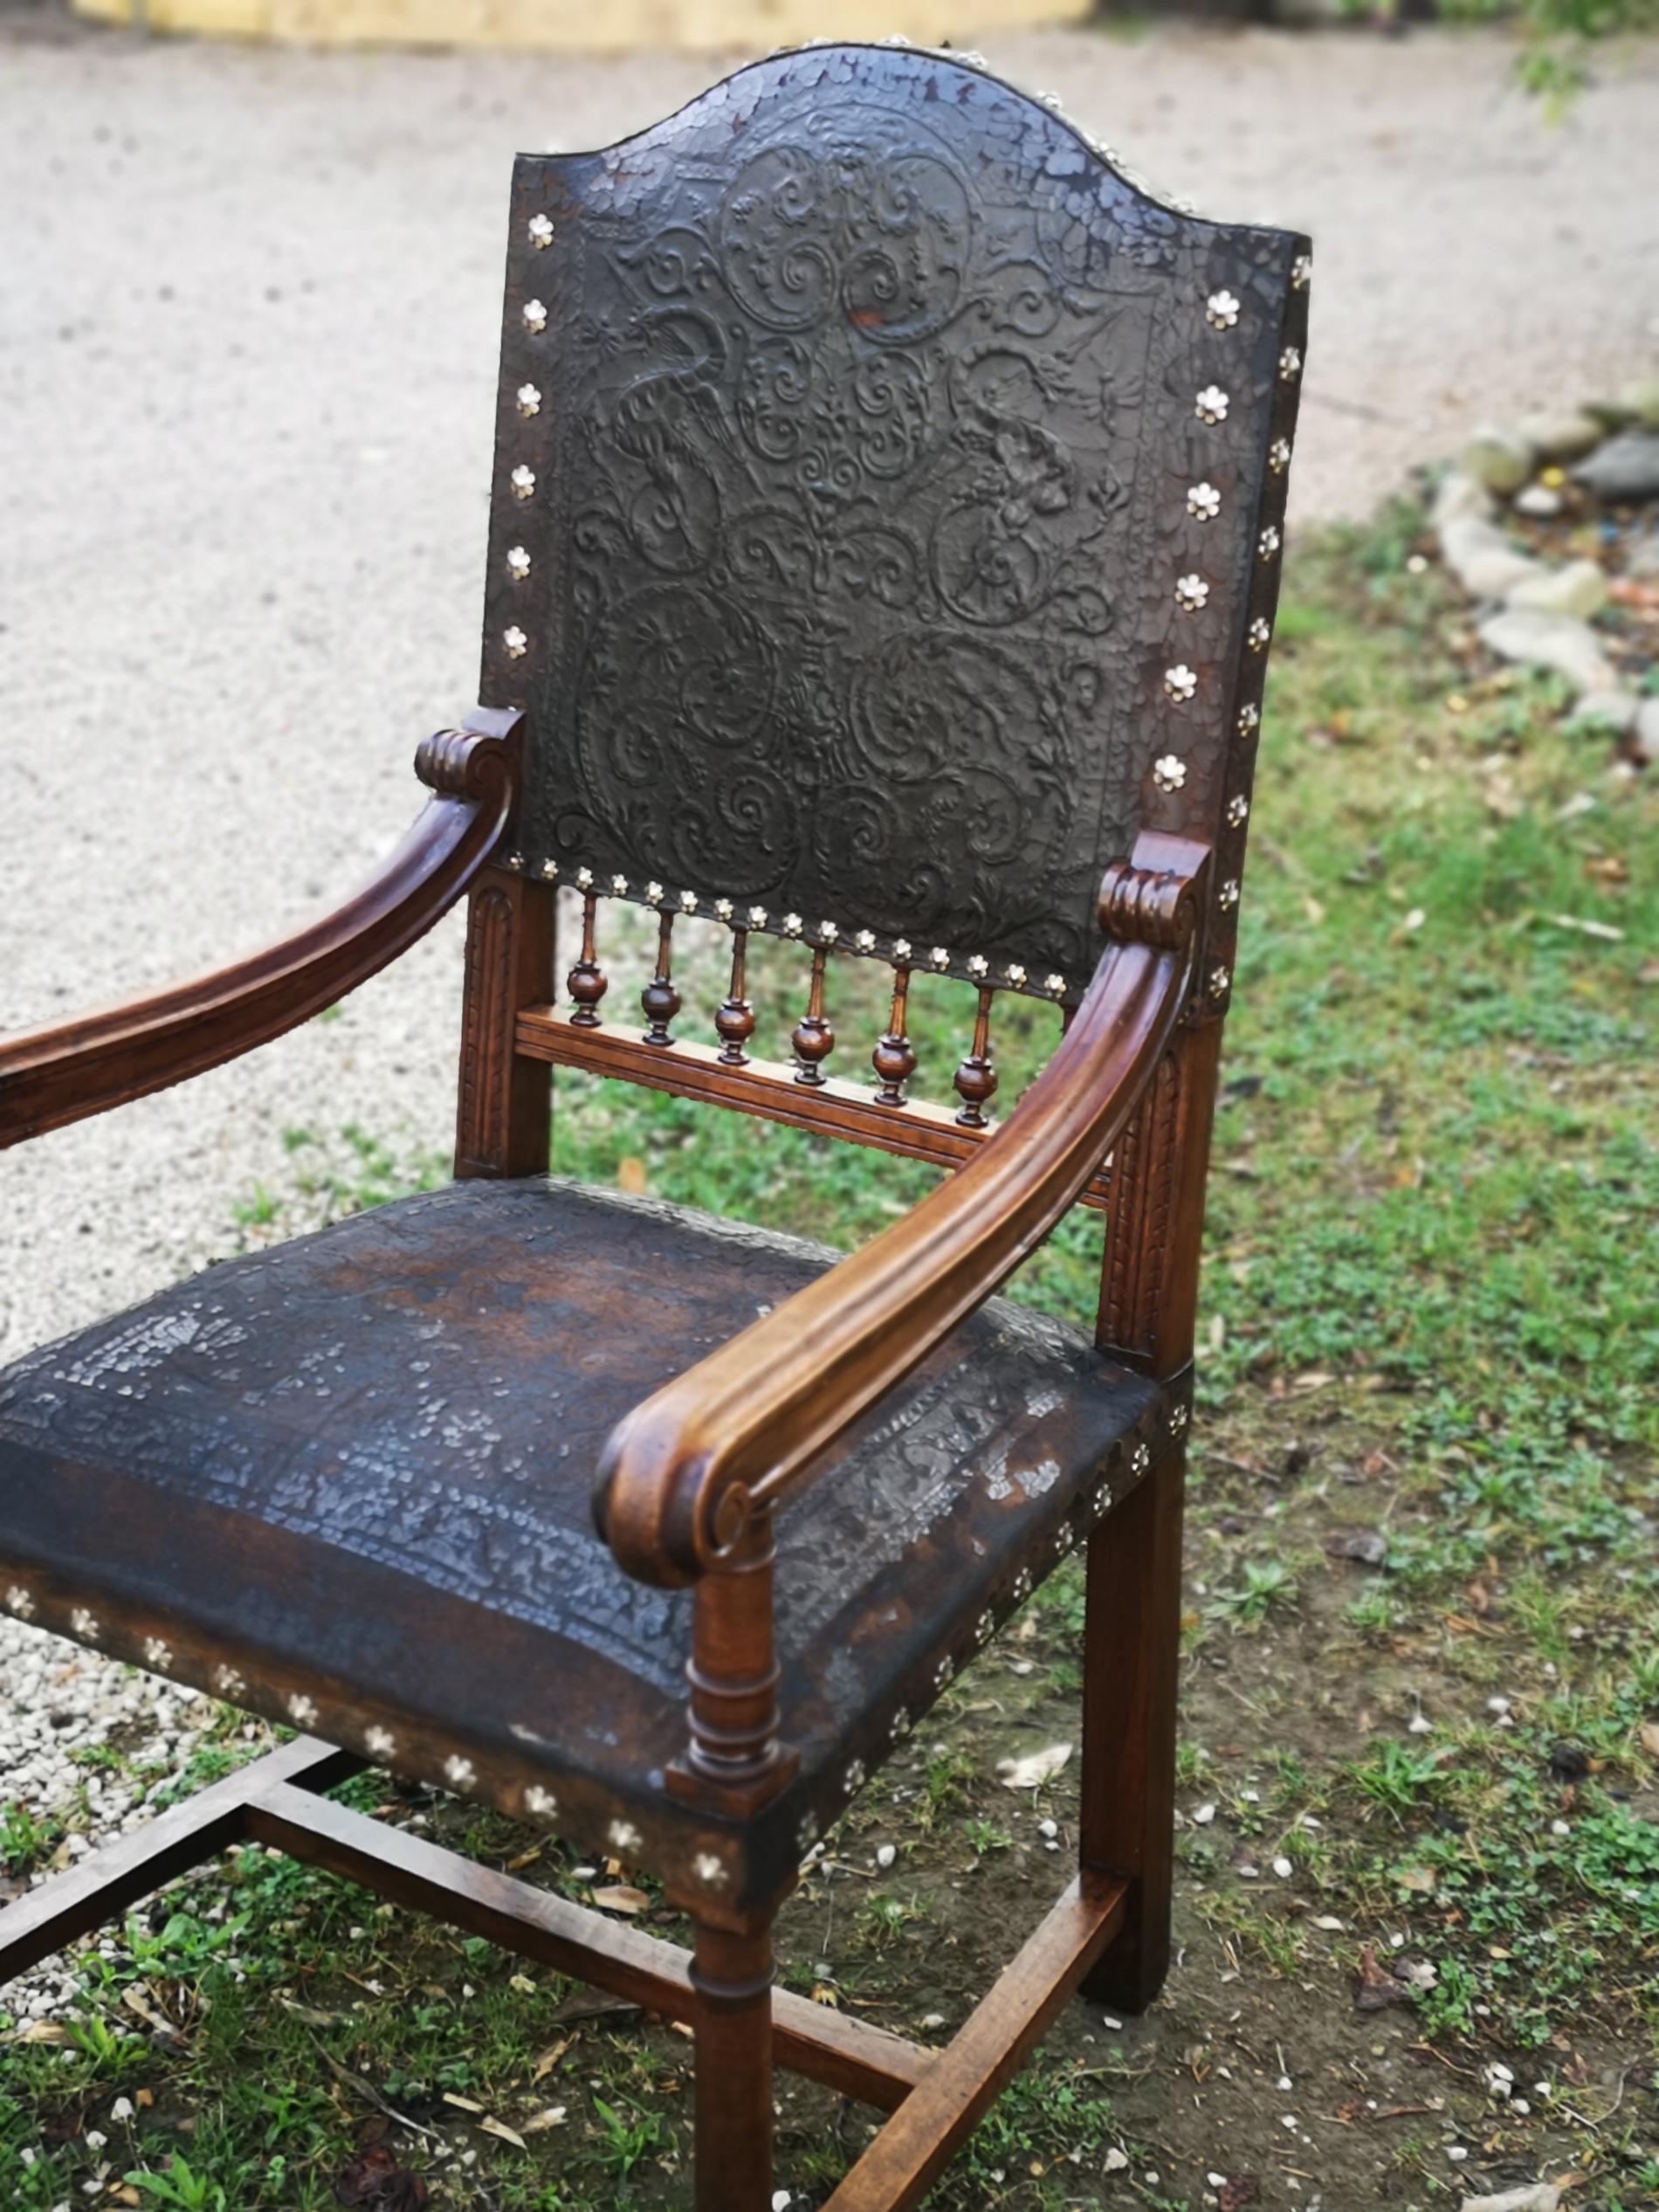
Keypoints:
pixel 735 1018
pixel 586 982
pixel 894 1058
pixel 976 1078
pixel 659 998
pixel 814 1039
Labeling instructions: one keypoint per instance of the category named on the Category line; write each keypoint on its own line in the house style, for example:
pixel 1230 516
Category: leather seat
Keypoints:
pixel 347 1482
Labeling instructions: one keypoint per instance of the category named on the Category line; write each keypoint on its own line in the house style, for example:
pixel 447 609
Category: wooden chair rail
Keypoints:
pixel 916 1130
pixel 683 1472
pixel 50 1076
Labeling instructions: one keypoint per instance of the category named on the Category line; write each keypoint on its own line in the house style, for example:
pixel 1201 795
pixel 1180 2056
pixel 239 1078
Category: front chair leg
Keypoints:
pixel 733 1976
pixel 1131 1646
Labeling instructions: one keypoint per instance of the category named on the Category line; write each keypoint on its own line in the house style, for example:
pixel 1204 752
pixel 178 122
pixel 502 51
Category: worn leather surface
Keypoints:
pixel 358 1469
pixel 848 422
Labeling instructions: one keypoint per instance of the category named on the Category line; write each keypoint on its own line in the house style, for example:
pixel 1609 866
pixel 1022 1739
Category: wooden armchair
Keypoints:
pixel 884 556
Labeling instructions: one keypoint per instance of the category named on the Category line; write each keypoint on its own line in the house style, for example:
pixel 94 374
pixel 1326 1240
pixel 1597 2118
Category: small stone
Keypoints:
pixel 1457 496
pixel 1483 559
pixel 1613 711
pixel 1539 501
pixel 1640 403
pixel 1560 438
pixel 1626 467
pixel 886 1854
pixel 1115 2160
pixel 1499 460
pixel 1559 642
pixel 1579 589
pixel 1647 730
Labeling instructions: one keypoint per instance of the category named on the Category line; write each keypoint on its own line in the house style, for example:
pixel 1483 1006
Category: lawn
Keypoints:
pixel 1418 1907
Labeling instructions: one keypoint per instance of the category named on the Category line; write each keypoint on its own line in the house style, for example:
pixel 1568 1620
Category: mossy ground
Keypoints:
pixel 1430 1319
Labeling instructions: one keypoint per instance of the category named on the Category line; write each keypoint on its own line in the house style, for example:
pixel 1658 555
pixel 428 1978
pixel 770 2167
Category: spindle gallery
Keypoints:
pixel 883 559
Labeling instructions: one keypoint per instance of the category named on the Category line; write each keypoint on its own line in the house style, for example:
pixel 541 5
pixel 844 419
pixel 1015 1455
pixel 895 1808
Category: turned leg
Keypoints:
pixel 733 1976
pixel 1131 1646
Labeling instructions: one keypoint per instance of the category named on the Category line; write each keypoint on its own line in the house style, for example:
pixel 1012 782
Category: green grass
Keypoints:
pixel 1430 1309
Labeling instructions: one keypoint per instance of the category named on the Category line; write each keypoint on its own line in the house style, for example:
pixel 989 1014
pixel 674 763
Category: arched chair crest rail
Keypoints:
pixel 883 554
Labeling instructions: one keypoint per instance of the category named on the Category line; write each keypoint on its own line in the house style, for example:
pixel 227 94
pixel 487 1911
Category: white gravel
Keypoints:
pixel 245 367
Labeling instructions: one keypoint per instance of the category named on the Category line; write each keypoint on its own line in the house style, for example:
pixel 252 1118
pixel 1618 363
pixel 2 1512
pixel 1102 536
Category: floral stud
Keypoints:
pixel 1141 1458
pixel 380 1743
pixel 1015 973
pixel 540 1804
pixel 688 902
pixel 1191 592
pixel 940 957
pixel 515 641
pixel 550 870
pixel 901 949
pixel 1212 404
pixel 1022 1588
pixel 898 1728
pixel 710 1870
pixel 792 925
pixel 654 894
pixel 458 1772
pixel 1222 310
pixel 1204 502
pixel 535 315
pixel 1238 809
pixel 1179 1418
pixel 1260 630
pixel 1169 773
pixel 1181 682
pixel 1278 456
pixel 1249 715
pixel 1290 364
pixel 722 910
pixel 828 931
pixel 853 1778
pixel 529 400
pixel 1219 980
pixel 157 1654
pixel 944 1673
pixel 540 231
pixel 757 917
pixel 518 564
pixel 1055 985
pixel 978 965
pixel 1301 270
pixel 865 940
pixel 1227 895
pixel 20 1601
pixel 301 1710
pixel 523 482
pixel 1268 544
pixel 585 879
pixel 624 1837
pixel 619 886
pixel 228 1683
pixel 83 1623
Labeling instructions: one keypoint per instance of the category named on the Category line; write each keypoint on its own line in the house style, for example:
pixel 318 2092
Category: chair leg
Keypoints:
pixel 1132 1643
pixel 733 1976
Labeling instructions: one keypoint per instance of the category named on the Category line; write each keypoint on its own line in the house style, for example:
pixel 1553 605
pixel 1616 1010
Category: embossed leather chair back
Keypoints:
pixel 886 514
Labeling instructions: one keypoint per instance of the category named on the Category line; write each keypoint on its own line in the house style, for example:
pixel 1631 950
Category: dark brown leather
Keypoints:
pixel 357 1471
pixel 856 426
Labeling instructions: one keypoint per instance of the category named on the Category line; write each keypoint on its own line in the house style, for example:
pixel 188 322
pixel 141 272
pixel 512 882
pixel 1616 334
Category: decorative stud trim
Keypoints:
pixel 1278 456
pixel 1211 404
pixel 515 641
pixel 301 1710
pixel 1141 1458
pixel 1249 715
pixel 541 1803
pixel 1238 809
pixel 1191 592
pixel 722 910
pixel 550 870
pixel 828 931
pixel 899 1727
pixel 1181 682
pixel 624 1837
pixel 1219 980
pixel 985 1627
pixel 584 880
pixel 459 1773
pixel 688 902
pixel 535 315
pixel 84 1623
pixel 1022 1588
pixel 540 231
pixel 1015 974
pixel 710 1870
pixel 901 949
pixel 792 925
pixel 157 1654
pixel 757 917
pixel 1268 544
pixel 1228 894
pixel 944 1673
pixel 1204 502
pixel 1290 365
pixel 523 482
pixel 1221 309
pixel 940 957
pixel 20 1601
pixel 1260 630
pixel 1301 270
pixel 517 563
pixel 1055 984
pixel 1169 773
pixel 1179 1416
pixel 529 400
pixel 978 965
pixel 380 1743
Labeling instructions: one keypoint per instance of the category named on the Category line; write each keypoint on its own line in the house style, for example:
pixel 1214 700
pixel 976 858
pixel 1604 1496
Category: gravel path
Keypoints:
pixel 246 354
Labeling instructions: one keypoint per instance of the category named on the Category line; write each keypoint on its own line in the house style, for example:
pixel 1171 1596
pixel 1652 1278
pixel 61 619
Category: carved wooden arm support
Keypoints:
pixel 49 1077
pixel 685 1474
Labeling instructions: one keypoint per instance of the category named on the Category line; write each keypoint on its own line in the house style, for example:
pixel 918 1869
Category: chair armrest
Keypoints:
pixel 682 1473
pixel 49 1077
